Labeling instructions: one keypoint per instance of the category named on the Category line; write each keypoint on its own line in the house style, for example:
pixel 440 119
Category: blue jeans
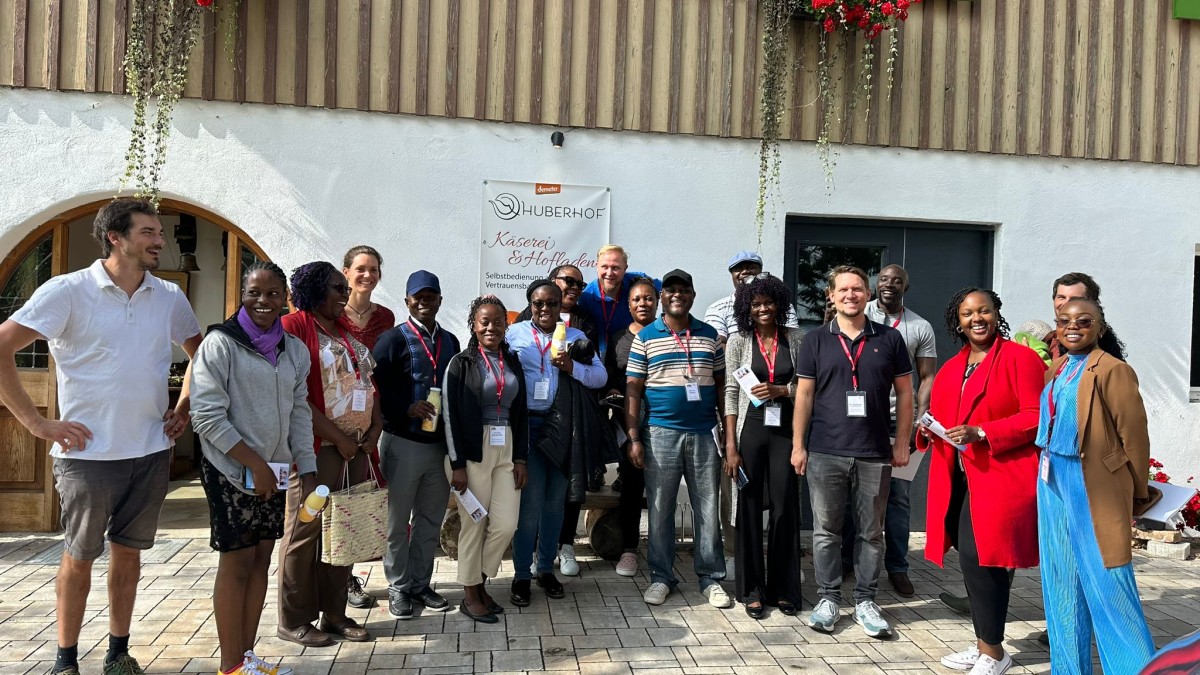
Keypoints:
pixel 672 455
pixel 895 530
pixel 541 516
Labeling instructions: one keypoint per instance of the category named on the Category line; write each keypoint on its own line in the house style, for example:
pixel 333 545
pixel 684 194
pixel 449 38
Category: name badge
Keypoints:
pixel 693 390
pixel 496 435
pixel 1045 468
pixel 541 390
pixel 772 415
pixel 358 401
pixel 856 404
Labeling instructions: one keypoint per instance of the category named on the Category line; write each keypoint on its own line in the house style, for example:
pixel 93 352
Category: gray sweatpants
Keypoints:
pixel 417 493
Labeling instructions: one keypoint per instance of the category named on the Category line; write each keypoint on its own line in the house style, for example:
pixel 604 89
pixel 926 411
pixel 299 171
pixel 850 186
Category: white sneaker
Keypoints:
pixel 627 566
pixel 964 660
pixel 566 561
pixel 657 593
pixel 868 615
pixel 253 664
pixel 986 665
pixel 717 597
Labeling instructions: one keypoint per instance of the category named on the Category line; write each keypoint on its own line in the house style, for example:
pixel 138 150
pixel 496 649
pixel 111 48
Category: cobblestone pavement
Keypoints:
pixel 601 627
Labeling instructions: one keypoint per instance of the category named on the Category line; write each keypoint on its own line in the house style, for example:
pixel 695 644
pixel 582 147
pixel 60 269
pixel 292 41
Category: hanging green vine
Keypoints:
pixel 161 37
pixel 777 16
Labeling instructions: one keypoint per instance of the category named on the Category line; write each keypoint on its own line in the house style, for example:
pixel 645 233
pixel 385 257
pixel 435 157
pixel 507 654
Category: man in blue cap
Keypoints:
pixel 743 266
pixel 411 361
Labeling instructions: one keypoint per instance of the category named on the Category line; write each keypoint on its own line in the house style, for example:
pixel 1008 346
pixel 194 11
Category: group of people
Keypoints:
pixel 1032 460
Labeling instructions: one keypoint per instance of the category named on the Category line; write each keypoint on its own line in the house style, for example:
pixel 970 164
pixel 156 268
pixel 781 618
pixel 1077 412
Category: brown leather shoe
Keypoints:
pixel 901 584
pixel 347 628
pixel 304 635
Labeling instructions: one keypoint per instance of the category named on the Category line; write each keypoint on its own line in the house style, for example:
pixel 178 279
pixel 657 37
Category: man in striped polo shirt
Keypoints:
pixel 677 364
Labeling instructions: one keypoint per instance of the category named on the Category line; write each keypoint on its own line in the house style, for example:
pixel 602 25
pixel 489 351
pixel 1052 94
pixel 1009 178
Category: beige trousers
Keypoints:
pixel 481 545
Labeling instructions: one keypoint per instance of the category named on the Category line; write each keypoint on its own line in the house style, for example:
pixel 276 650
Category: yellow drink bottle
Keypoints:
pixel 434 398
pixel 558 343
pixel 314 503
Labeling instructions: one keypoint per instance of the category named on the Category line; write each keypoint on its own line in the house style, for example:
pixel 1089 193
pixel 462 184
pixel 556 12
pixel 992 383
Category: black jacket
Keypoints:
pixel 574 436
pixel 463 409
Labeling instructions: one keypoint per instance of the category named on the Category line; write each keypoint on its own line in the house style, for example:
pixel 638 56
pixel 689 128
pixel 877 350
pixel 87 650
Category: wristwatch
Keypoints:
pixel 982 434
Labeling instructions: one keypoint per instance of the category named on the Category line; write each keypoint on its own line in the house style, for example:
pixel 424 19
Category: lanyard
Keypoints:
pixel 498 378
pixel 687 334
pixel 349 350
pixel 770 361
pixel 898 317
pixel 852 359
pixel 1050 406
pixel 537 340
pixel 433 357
pixel 608 316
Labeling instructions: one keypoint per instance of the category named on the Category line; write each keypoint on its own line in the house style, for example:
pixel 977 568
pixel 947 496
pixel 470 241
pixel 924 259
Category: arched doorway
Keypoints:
pixel 211 277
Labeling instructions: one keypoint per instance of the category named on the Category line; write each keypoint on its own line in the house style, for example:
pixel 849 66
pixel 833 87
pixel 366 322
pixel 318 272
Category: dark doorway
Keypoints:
pixel 940 259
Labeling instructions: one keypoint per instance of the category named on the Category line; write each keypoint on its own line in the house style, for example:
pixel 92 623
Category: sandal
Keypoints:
pixel 347 628
pixel 305 635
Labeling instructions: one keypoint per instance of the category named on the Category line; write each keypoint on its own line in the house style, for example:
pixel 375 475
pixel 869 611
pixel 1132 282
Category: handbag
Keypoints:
pixel 354 529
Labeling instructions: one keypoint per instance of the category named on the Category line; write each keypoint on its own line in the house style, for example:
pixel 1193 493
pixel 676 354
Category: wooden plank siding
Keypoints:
pixel 1102 79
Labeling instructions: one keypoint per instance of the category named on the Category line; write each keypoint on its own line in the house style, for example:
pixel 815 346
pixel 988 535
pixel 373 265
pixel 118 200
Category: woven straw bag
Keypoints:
pixel 354 527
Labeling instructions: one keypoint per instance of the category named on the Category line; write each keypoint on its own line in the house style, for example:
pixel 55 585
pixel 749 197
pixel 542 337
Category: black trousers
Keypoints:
pixel 987 587
pixel 633 488
pixel 767 460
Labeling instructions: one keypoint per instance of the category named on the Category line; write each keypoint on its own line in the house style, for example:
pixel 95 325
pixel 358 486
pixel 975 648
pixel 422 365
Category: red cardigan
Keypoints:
pixel 1001 397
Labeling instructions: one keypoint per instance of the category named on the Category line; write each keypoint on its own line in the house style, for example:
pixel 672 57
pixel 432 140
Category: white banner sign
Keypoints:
pixel 529 228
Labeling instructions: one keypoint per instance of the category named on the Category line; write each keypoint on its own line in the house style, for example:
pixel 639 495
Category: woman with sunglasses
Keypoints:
pixel 1092 478
pixel 983 479
pixel 545 492
pixel 347 424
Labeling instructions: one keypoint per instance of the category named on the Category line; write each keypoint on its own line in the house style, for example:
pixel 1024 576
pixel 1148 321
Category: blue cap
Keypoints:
pixel 421 281
pixel 744 257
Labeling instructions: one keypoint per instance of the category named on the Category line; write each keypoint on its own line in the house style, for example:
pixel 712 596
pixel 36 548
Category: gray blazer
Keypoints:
pixel 738 352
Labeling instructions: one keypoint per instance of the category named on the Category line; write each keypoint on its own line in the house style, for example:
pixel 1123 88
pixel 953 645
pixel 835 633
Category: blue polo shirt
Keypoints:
pixel 610 314
pixel 823 358
pixel 656 357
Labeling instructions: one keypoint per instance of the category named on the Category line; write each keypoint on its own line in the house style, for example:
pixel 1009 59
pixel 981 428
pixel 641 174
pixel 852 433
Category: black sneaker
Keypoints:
pixel 356 596
pixel 519 593
pixel 400 606
pixel 432 601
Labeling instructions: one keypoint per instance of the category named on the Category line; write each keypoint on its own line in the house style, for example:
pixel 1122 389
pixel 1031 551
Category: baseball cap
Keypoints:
pixel 742 257
pixel 677 275
pixel 420 281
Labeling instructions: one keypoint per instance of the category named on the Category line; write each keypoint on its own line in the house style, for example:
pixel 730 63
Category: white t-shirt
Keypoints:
pixel 916 331
pixel 112 353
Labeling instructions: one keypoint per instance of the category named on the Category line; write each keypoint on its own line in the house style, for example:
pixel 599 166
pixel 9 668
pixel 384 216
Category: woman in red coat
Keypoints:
pixel 983 485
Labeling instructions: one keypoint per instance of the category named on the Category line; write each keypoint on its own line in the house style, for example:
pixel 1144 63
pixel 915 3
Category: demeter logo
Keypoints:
pixel 547 188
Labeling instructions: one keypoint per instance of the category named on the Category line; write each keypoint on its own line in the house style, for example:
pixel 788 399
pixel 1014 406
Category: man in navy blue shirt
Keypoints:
pixel 846 372
pixel 606 299
pixel 411 360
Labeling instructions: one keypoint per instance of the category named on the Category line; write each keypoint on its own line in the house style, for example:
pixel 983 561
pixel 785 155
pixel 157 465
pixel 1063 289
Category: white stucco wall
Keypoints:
pixel 308 184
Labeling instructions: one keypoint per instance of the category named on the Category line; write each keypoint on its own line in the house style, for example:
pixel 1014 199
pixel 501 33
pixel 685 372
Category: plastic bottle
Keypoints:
pixel 435 399
pixel 558 344
pixel 314 503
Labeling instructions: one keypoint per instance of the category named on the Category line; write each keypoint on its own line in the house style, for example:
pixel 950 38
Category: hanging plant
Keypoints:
pixel 870 17
pixel 161 36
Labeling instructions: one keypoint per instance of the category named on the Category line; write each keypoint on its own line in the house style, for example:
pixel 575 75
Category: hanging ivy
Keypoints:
pixel 161 36
pixel 847 17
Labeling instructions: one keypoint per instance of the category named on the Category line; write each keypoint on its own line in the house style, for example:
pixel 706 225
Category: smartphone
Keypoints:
pixel 742 480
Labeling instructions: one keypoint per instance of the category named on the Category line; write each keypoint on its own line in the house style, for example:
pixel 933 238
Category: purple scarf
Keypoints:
pixel 265 341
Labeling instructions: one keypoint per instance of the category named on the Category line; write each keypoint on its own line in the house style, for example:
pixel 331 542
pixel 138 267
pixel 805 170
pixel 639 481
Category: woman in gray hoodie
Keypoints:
pixel 250 409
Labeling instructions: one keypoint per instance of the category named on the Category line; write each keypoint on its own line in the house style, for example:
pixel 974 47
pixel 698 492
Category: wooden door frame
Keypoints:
pixel 57 227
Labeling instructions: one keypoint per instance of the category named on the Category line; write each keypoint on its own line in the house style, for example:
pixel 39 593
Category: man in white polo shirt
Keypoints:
pixel 110 328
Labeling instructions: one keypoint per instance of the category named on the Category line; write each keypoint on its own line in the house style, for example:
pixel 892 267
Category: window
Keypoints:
pixel 31 273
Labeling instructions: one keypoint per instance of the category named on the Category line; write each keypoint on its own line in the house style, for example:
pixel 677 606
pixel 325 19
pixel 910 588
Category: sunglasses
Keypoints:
pixel 1079 323
pixel 340 289
pixel 571 282
pixel 544 304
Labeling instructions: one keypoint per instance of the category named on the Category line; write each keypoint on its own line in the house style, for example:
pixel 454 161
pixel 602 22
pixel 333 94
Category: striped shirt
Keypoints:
pixel 662 359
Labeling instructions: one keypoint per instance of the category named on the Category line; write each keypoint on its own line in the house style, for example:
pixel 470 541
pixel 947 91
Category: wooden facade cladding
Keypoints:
pixel 1107 79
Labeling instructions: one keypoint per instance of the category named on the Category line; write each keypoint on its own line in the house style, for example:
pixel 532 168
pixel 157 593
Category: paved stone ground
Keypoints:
pixel 601 627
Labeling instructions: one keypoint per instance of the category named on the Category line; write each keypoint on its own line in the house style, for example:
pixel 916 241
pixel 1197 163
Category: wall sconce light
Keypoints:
pixel 556 139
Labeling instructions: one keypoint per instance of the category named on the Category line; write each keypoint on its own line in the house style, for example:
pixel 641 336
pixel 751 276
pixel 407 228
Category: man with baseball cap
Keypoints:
pixel 411 361
pixel 743 266
pixel 677 364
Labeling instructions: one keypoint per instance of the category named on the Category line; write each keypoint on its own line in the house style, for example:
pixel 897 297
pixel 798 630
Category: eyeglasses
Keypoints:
pixel 571 282
pixel 340 289
pixel 544 304
pixel 1079 323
